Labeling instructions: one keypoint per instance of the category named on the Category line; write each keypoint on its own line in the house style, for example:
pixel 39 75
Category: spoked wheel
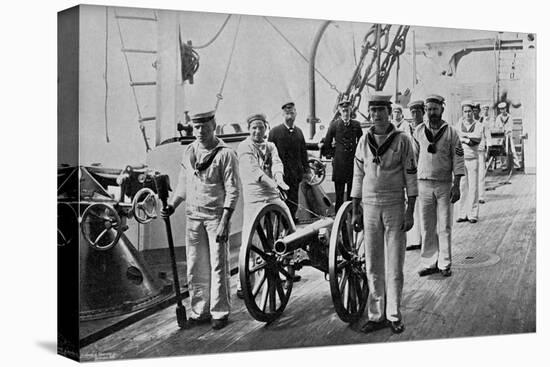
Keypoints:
pixel 101 226
pixel 318 171
pixel 266 278
pixel 144 206
pixel 348 280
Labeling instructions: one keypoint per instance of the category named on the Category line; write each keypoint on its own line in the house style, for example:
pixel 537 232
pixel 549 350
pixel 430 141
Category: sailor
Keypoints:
pixel 414 237
pixel 340 143
pixel 476 109
pixel 399 120
pixel 261 172
pixel 484 121
pixel 209 183
pixel 291 145
pixel 470 133
pixel 440 167
pixel 505 122
pixel 384 176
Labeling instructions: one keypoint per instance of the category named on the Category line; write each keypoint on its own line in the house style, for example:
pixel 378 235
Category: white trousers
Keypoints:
pixel 509 146
pixel 469 190
pixel 413 235
pixel 384 254
pixel 207 270
pixel 434 199
pixel 481 174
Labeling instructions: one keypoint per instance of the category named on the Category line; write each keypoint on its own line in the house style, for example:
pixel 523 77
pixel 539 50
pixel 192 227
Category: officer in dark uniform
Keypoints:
pixel 340 143
pixel 291 145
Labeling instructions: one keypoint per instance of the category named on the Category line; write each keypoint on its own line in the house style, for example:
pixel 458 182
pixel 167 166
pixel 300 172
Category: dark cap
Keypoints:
pixel 345 102
pixel 380 100
pixel 287 104
pixel 254 117
pixel 435 98
pixel 203 117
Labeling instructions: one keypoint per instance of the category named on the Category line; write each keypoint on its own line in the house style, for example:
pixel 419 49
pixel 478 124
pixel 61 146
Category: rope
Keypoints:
pixel 215 36
pixel 219 96
pixel 106 73
pixel 332 85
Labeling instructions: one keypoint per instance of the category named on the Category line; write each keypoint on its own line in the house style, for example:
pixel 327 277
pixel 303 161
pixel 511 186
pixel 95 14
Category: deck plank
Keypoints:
pixel 474 301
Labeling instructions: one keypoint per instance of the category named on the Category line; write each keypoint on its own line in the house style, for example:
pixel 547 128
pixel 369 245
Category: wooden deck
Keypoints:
pixel 491 292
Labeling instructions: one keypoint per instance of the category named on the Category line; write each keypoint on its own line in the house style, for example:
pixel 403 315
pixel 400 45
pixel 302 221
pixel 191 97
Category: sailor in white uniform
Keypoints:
pixel 209 183
pixel 485 121
pixel 384 176
pixel 440 167
pixel 505 122
pixel 414 237
pixel 470 133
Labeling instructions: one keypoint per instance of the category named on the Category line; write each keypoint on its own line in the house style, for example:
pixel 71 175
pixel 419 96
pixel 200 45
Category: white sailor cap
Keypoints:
pixel 502 105
pixel 256 117
pixel 436 98
pixel 467 103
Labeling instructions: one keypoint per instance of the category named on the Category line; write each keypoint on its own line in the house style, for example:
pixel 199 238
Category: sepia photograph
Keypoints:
pixel 294 183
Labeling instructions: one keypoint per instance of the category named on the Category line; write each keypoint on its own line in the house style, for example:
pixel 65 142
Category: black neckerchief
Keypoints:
pixel 504 122
pixel 469 129
pixel 265 158
pixel 202 166
pixel 376 150
pixel 434 139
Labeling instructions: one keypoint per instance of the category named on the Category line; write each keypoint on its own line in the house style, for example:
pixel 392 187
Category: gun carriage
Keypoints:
pixel 274 250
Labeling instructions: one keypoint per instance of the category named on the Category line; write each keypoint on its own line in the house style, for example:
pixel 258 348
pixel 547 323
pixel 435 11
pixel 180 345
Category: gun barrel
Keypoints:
pixel 302 237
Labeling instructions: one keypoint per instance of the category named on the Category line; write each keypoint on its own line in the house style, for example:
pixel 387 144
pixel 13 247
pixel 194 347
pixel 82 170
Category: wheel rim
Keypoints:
pixel 266 278
pixel 101 226
pixel 319 172
pixel 348 280
pixel 145 206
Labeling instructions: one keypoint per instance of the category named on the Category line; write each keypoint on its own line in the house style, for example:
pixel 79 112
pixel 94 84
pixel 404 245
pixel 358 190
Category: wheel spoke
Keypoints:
pixel 280 291
pixel 358 241
pixel 345 238
pixel 268 225
pixel 353 294
pixel 285 273
pixel 342 265
pixel 277 226
pixel 101 236
pixel 343 281
pixel 263 238
pixel 272 294
pixel 263 301
pixel 258 286
pixel 262 254
pixel 358 290
pixel 257 267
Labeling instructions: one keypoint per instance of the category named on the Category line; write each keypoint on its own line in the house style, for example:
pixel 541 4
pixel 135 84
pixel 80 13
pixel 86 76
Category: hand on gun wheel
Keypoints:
pixel 280 182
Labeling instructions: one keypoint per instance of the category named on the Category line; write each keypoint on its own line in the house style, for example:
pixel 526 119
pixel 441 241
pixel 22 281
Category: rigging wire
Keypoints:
pixel 106 73
pixel 216 35
pixel 331 85
pixel 219 96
